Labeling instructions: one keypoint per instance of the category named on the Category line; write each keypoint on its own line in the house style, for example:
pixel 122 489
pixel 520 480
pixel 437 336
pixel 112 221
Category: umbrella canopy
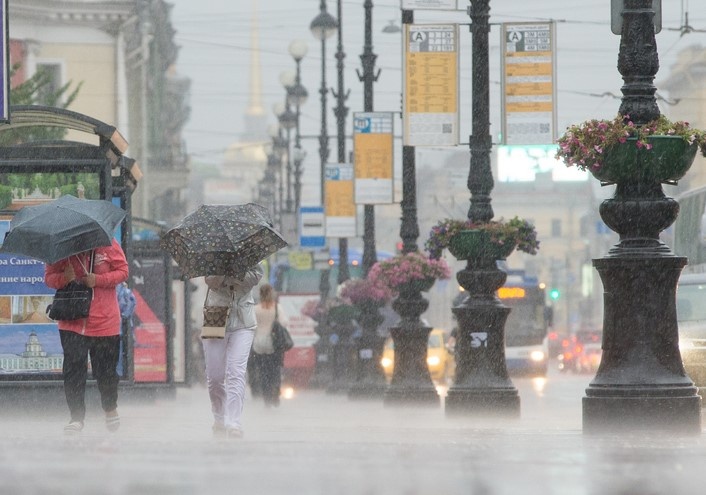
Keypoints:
pixel 222 240
pixel 57 229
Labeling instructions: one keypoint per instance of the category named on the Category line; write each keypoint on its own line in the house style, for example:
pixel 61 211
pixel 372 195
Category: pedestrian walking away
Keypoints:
pixel 267 361
pixel 227 358
pixel 96 336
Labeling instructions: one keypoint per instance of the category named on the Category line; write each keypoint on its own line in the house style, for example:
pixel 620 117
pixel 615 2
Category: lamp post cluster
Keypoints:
pixel 281 189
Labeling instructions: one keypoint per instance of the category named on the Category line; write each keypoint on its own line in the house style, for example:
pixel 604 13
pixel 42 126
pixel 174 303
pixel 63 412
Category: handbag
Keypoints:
pixel 73 301
pixel 215 314
pixel 281 338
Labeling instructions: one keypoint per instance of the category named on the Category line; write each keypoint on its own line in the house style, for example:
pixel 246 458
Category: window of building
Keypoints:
pixel 556 227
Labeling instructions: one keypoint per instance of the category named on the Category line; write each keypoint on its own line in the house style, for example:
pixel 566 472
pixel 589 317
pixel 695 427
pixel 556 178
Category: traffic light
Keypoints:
pixel 554 294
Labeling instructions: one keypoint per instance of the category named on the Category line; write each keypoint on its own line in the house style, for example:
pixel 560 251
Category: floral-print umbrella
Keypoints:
pixel 222 240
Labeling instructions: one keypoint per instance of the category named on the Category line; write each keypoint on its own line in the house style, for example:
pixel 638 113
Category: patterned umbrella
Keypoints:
pixel 57 229
pixel 222 240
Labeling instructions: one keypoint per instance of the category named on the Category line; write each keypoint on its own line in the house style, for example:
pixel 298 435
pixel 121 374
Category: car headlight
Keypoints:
pixel 386 362
pixel 537 356
pixel 433 360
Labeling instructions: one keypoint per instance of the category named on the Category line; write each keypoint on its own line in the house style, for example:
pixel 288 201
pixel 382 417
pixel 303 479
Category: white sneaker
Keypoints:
pixel 234 433
pixel 73 428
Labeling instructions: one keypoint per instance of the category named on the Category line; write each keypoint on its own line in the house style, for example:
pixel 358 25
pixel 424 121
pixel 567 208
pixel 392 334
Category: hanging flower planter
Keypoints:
pixel 619 151
pixel 477 244
pixel 667 159
pixel 495 239
pixel 408 272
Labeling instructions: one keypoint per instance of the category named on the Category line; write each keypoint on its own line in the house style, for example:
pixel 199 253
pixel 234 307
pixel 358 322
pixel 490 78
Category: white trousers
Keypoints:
pixel 226 365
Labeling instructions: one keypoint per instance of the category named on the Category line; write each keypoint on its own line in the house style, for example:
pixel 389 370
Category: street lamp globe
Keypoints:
pixel 324 25
pixel 298 49
pixel 288 78
pixel 299 154
pixel 273 130
pixel 391 28
pixel 278 109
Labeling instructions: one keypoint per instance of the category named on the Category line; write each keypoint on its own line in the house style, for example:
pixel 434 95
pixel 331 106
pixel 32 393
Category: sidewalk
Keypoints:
pixel 318 443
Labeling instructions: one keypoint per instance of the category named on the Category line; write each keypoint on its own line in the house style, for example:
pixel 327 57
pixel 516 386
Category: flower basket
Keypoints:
pixel 494 239
pixel 408 271
pixel 363 292
pixel 341 314
pixel 618 150
pixel 416 285
pixel 667 159
pixel 472 244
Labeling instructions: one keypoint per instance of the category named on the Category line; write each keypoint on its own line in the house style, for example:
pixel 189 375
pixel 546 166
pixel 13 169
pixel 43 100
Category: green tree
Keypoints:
pixel 37 90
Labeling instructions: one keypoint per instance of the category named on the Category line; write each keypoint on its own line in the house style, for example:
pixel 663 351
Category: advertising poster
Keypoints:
pixel 29 340
pixel 150 331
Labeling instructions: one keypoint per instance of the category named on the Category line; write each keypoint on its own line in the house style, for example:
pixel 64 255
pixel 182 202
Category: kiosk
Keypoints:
pixel 33 171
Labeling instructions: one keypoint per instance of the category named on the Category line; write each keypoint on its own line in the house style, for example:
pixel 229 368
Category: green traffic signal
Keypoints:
pixel 554 294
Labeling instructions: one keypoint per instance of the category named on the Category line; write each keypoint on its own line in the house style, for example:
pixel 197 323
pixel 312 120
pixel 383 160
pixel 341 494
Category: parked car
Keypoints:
pixel 440 357
pixel 691 318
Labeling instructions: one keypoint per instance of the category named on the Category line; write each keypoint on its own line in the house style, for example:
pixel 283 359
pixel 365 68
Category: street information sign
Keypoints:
pixel 4 64
pixel 529 83
pixel 312 232
pixel 431 85
pixel 430 4
pixel 340 206
pixel 373 157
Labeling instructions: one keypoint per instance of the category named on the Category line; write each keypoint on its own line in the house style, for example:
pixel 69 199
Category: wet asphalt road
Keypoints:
pixel 317 443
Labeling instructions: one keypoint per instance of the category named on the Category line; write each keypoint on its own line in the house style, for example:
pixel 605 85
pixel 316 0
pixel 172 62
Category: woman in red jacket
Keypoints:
pixel 98 335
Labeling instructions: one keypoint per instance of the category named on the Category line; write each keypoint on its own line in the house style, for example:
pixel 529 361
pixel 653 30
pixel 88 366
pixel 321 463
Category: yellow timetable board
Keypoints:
pixel 431 85
pixel 529 84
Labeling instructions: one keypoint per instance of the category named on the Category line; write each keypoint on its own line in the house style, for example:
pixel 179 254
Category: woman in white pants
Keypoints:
pixel 227 358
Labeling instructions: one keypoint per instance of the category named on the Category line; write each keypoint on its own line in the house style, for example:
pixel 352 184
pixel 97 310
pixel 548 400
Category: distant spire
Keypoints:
pixel 255 108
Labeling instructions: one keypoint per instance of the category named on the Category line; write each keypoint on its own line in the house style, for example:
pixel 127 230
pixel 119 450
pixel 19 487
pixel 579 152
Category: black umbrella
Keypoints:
pixel 57 229
pixel 222 240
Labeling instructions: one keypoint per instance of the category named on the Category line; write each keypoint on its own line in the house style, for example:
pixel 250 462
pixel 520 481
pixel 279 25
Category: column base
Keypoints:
pixel 649 414
pixel 504 403
pixel 405 396
pixel 364 391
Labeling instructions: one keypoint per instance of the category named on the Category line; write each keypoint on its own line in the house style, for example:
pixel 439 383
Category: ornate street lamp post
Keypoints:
pixel 368 77
pixel 482 383
pixel 411 382
pixel 341 111
pixel 322 27
pixel 641 383
pixel 297 96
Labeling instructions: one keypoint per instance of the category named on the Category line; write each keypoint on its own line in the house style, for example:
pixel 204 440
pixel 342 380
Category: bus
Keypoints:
pixel 526 328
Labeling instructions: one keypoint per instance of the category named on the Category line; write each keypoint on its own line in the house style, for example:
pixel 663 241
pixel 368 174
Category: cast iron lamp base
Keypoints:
pixel 482 385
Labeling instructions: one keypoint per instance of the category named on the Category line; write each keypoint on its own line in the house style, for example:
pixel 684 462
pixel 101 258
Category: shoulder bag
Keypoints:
pixel 73 301
pixel 215 314
pixel 281 338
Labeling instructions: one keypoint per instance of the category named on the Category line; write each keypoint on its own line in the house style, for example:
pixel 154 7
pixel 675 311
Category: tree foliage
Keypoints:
pixel 37 90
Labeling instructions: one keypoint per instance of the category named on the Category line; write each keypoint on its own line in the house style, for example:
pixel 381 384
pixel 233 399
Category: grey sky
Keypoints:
pixel 214 40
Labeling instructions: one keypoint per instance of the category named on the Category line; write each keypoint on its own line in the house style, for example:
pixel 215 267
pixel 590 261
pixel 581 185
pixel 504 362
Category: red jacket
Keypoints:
pixel 111 269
